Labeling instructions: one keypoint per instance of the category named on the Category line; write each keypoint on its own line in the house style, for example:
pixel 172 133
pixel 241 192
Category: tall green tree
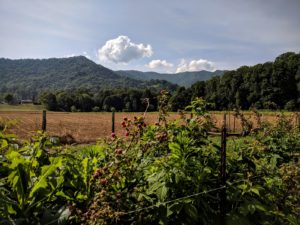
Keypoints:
pixel 9 98
pixel 48 99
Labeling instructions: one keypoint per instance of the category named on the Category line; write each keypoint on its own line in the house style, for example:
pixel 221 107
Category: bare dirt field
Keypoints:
pixel 84 127
pixel 88 127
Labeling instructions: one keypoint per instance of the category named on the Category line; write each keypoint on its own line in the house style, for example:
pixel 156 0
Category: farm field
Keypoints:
pixel 88 127
pixel 21 107
pixel 84 127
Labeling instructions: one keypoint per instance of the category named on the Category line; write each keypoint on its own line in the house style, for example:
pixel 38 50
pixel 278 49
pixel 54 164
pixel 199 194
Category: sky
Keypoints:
pixel 155 35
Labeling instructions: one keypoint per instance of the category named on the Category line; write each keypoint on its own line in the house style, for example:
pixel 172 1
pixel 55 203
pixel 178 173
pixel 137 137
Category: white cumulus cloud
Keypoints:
pixel 123 50
pixel 159 64
pixel 195 65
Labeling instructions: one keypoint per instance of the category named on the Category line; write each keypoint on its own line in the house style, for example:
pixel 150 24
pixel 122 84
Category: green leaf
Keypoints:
pixel 236 219
pixel 255 191
pixel 46 172
pixel 176 207
pixel 175 149
pixel 260 207
pixel 273 161
pixel 243 186
pixel 19 176
pixel 293 220
pixel 162 193
pixel 192 211
pixel 58 218
pixel 85 171
pixel 4 144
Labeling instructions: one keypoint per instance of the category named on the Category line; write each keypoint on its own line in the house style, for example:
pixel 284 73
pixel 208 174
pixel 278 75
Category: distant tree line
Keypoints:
pixel 84 101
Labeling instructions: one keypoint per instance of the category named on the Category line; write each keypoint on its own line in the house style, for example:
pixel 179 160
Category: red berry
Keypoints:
pixel 96 175
pixel 103 182
pixel 113 135
pixel 100 172
pixel 127 134
pixel 119 195
pixel 118 151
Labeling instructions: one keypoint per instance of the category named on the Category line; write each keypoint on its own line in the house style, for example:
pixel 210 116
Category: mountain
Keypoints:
pixel 28 77
pixel 182 79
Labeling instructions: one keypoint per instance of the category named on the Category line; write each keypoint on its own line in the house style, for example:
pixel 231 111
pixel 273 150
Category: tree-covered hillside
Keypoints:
pixel 185 79
pixel 26 78
pixel 272 85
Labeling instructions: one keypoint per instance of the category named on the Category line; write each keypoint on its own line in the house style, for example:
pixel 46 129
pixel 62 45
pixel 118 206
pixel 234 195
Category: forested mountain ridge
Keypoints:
pixel 26 78
pixel 185 79
pixel 271 85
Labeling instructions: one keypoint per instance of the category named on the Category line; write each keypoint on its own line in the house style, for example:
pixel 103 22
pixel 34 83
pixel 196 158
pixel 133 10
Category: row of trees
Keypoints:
pixel 85 101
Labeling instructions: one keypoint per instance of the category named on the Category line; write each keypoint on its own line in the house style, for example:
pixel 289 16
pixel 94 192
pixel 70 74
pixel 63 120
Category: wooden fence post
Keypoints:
pixel 44 121
pixel 223 173
pixel 229 122
pixel 233 123
pixel 113 121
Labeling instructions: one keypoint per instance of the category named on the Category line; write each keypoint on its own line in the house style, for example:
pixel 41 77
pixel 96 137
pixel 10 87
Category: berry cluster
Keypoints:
pixel 133 127
pixel 99 173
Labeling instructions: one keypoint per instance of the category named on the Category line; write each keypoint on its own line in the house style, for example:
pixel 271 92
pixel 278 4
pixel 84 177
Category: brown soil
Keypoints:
pixel 88 127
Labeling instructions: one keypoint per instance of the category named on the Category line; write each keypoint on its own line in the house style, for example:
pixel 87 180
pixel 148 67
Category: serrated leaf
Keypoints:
pixel 47 171
pixel 175 149
pixel 19 177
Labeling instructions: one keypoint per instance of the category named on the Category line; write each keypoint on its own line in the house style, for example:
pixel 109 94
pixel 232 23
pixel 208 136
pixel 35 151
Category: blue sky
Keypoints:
pixel 157 35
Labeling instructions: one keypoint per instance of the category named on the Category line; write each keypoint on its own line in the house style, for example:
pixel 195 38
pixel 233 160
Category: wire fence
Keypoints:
pixel 186 197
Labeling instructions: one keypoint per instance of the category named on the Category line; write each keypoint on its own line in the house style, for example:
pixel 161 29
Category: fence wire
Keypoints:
pixel 185 197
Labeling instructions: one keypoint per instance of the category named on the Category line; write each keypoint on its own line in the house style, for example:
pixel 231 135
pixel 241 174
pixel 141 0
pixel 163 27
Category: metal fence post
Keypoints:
pixel 223 173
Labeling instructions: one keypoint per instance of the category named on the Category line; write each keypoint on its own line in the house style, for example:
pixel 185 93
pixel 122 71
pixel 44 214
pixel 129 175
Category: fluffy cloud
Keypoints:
pixel 122 50
pixel 159 64
pixel 195 65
